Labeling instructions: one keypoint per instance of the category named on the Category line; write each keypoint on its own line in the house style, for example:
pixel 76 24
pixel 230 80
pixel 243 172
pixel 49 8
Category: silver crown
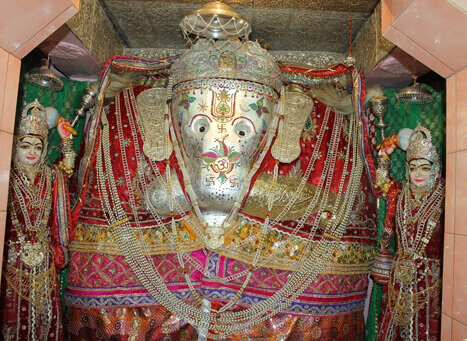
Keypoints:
pixel 229 58
pixel 33 121
pixel 421 146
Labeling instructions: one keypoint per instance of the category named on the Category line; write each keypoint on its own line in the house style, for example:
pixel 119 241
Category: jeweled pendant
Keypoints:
pixel 33 254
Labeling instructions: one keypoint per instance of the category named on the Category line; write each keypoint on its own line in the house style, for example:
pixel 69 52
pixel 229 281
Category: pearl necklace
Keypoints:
pixel 223 322
pixel 426 217
pixel 21 192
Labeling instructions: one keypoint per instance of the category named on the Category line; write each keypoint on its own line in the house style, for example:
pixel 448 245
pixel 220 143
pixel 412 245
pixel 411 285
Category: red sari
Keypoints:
pixel 37 234
pixel 411 308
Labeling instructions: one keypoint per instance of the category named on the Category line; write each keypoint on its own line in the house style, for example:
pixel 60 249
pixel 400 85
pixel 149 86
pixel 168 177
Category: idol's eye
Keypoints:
pixel 243 128
pixel 426 168
pixel 200 125
pixel 412 169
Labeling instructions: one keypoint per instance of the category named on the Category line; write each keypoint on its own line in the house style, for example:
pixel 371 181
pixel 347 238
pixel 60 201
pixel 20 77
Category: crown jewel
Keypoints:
pixel 33 121
pixel 420 146
pixel 229 58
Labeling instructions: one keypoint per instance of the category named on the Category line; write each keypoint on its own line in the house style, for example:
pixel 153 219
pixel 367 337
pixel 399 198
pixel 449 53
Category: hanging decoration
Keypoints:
pixel 45 78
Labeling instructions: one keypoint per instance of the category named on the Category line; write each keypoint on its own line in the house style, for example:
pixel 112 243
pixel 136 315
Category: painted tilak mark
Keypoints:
pixel 210 180
pixel 223 106
pixel 221 159
pixel 234 181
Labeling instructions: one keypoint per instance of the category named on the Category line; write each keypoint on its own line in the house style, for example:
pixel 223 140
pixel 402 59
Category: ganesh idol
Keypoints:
pixel 217 201
pixel 37 232
pixel 412 278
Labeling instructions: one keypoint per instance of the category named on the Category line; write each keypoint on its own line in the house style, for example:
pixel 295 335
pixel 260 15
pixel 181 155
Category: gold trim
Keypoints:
pixel 256 203
pixel 118 223
pixel 297 109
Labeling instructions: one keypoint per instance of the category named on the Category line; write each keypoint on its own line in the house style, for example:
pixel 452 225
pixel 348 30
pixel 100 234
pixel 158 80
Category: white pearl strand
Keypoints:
pixel 327 170
pixel 196 313
pixel 425 212
pixel 173 238
pixel 141 265
pixel 313 263
pixel 19 188
pixel 265 226
pixel 302 184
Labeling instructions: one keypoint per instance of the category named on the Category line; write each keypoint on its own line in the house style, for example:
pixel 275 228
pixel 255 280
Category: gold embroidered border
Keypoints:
pixel 242 244
pixel 345 264
pixel 349 258
pixel 99 239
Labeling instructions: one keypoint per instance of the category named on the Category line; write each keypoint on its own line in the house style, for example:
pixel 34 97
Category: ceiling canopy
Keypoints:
pixel 287 25
pixel 311 32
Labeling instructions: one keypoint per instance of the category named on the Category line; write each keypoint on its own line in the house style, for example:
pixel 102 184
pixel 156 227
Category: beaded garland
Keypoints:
pixel 224 322
pixel 128 224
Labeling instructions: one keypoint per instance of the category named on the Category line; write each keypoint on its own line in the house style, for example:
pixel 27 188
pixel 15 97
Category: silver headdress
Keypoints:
pixel 33 121
pixel 230 59
pixel 421 147
pixel 219 51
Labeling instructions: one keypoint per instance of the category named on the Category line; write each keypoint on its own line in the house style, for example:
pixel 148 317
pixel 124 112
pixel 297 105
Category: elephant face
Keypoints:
pixel 222 124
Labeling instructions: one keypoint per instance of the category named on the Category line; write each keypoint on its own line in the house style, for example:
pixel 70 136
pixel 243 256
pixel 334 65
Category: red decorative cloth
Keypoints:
pixel 106 300
pixel 99 278
pixel 411 307
pixel 30 287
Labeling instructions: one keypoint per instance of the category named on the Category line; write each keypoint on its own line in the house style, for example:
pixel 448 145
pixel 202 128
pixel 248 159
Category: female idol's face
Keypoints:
pixel 420 172
pixel 29 151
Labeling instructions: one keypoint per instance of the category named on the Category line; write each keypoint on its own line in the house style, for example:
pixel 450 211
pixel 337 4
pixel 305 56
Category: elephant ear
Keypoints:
pixel 152 108
pixel 297 109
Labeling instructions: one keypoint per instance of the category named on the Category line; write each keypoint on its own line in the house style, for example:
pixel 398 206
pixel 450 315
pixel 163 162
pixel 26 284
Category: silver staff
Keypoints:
pixel 379 105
